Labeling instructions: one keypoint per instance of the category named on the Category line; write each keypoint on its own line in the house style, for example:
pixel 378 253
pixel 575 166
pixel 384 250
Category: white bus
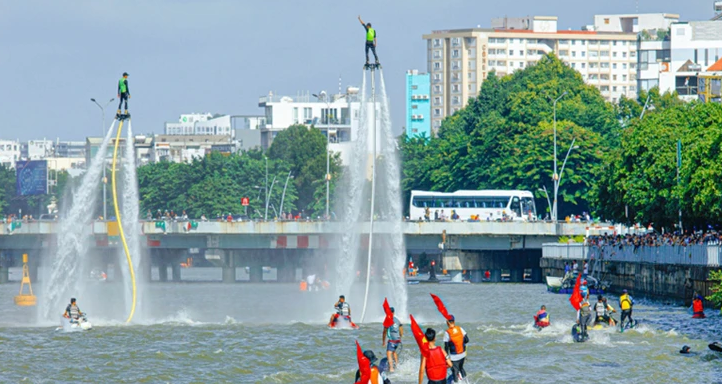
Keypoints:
pixel 486 205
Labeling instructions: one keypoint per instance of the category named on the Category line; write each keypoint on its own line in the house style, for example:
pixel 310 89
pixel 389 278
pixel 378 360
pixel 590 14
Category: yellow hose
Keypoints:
pixel 120 224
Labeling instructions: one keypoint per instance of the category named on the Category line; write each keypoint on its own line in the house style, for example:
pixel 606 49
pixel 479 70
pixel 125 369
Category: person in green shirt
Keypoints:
pixel 370 40
pixel 123 92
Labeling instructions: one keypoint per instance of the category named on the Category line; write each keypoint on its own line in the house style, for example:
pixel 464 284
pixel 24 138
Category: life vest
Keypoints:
pixel 584 308
pixel 74 311
pixel 456 336
pixel 600 308
pixel 370 34
pixel 697 306
pixel 436 364
pixel 625 302
pixel 392 332
pixel 344 309
pixel 375 375
pixel 121 85
pixel 542 317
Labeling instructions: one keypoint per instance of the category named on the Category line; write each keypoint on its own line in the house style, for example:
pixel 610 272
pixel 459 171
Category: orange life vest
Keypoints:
pixel 457 340
pixel 436 364
pixel 697 306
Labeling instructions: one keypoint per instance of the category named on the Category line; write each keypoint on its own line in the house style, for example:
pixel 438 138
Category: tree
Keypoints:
pixel 7 187
pixel 304 150
pixel 503 139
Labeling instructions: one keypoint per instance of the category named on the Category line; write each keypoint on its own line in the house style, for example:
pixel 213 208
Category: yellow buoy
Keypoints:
pixel 26 299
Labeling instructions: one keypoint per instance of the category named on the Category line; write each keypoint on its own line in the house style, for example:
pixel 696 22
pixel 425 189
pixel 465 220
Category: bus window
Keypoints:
pixel 529 206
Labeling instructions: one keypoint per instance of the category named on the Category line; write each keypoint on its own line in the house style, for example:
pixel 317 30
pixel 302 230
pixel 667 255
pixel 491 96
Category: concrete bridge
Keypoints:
pixel 288 246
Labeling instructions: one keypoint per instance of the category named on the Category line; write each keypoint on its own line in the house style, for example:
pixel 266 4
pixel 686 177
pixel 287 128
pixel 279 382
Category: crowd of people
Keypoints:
pixel 654 239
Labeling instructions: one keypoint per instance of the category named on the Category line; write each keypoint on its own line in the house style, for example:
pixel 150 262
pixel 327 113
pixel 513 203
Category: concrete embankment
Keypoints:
pixel 667 273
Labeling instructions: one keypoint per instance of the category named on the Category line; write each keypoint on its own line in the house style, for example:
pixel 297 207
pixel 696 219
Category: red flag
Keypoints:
pixel 576 296
pixel 389 320
pixel 440 305
pixel 419 336
pixel 364 365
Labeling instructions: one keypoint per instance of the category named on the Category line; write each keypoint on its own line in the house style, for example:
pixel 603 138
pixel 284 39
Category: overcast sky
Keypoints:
pixel 219 56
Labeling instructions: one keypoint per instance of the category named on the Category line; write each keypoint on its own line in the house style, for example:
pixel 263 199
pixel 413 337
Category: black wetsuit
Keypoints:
pixel 123 95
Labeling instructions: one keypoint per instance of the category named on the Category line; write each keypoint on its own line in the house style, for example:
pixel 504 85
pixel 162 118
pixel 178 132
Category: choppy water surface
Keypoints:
pixel 272 333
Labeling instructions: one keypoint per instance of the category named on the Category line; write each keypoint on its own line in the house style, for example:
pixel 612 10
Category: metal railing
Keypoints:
pixel 697 254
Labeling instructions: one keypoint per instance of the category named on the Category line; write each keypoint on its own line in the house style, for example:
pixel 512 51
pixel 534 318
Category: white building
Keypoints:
pixel 200 124
pixel 694 47
pixel 337 116
pixel 37 149
pixel 9 153
pixel 184 148
pixel 605 54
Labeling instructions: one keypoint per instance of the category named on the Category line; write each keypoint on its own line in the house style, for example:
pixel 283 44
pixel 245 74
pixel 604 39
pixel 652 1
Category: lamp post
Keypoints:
pixel 105 179
pixel 549 203
pixel 555 178
pixel 265 215
pixel 322 97
pixel 283 196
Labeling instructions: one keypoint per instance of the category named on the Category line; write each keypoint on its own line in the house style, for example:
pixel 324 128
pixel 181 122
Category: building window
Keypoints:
pixel 456 100
pixel 574 65
pixel 574 42
pixel 614 77
pixel 437 54
pixel 437 77
pixel 511 52
pixel 414 87
pixel 594 54
pixel 470 41
pixel 455 88
pixel 584 53
pixel 437 101
pixel 437 89
pixel 437 42
pixel 604 65
pixel 593 76
pixel 604 76
pixel 606 20
pixel 563 52
pixel 614 88
pixel 633 54
pixel 624 65
pixel 307 114
pixel 574 53
pixel 614 66
pixel 437 66
pixel 437 112
pixel 604 88
pixel 614 54
pixel 624 77
pixel 614 42
pixel 455 53
pixel 584 65
pixel 624 55
pixel 563 41
pixel 414 106
pixel 604 53
pixel 521 64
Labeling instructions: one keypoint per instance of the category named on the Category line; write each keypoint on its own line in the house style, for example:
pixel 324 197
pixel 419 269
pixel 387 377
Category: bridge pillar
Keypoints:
pixel 286 273
pixel 163 271
pixel 175 271
pixel 4 267
pixel 536 275
pixel 516 275
pixel 33 270
pixel 495 276
pixel 229 266
pixel 255 273
pixel 144 270
pixel 475 275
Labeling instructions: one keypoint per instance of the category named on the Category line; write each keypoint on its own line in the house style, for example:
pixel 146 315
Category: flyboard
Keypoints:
pixel 343 322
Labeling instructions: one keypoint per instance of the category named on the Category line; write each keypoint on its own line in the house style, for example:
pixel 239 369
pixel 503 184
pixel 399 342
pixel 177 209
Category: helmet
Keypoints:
pixel 369 354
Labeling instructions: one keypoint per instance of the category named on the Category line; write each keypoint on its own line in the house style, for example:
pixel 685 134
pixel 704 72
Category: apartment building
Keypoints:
pixel 418 105
pixel 605 54
pixel 9 153
pixel 200 124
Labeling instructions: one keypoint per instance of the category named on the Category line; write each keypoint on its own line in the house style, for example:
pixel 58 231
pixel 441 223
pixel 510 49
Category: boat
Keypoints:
pixel 343 322
pixel 594 286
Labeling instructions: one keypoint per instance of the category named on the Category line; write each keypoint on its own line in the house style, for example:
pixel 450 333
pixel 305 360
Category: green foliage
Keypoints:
pixel 641 173
pixel 303 149
pixel 214 185
pixel 504 138
pixel 7 187
pixel 716 296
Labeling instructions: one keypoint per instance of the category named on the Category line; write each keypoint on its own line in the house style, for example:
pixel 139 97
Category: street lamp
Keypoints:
pixel 265 215
pixel 283 196
pixel 322 97
pixel 549 203
pixel 105 179
pixel 555 178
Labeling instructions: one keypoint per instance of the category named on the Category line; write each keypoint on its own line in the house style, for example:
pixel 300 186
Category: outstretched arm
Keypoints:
pixel 361 21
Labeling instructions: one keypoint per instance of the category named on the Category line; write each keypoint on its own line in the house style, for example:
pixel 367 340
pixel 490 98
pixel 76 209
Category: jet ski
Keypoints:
pixel 716 346
pixel 70 325
pixel 577 334
pixel 343 322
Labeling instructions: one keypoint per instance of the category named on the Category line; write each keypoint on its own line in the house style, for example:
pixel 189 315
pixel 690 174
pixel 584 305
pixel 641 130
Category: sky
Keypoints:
pixel 219 56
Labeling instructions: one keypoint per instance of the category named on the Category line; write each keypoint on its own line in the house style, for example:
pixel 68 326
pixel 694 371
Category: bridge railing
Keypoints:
pixel 697 254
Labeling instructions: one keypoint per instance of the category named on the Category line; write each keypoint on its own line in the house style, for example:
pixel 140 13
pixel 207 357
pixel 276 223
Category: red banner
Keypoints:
pixel 440 306
pixel 389 320
pixel 576 297
pixel 419 336
pixel 364 365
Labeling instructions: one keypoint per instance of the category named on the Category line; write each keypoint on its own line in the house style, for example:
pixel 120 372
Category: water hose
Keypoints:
pixel 120 224
pixel 373 194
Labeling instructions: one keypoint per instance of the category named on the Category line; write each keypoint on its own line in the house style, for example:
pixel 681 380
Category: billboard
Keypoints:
pixel 32 177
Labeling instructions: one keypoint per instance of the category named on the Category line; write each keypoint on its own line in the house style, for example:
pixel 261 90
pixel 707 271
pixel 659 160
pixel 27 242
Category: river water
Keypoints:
pixel 201 332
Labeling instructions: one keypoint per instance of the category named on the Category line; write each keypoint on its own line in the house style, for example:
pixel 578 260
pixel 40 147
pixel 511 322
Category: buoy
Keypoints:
pixel 26 299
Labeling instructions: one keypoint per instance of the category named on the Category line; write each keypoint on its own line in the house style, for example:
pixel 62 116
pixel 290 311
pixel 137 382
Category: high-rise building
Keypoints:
pixel 605 54
pixel 418 108
pixel 9 153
